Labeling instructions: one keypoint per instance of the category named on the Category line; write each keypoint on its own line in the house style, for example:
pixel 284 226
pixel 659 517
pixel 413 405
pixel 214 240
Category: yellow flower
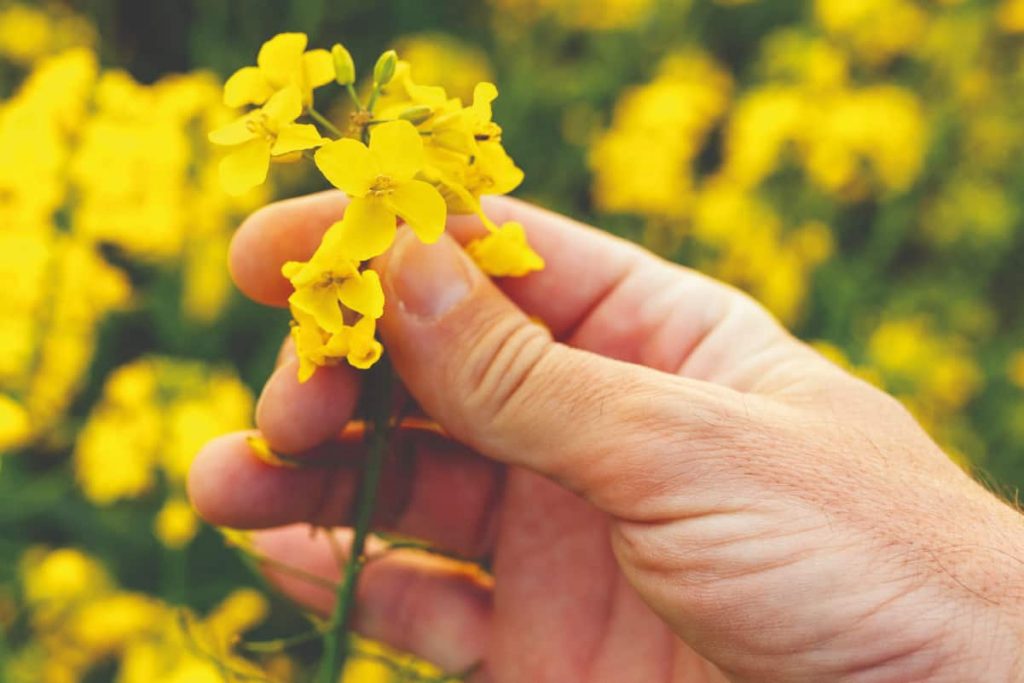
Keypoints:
pixel 362 349
pixel 15 424
pixel 505 252
pixel 464 151
pixel 330 278
pixel 282 62
pixel 261 134
pixel 316 348
pixel 105 625
pixel 1015 369
pixel 176 524
pixel 380 179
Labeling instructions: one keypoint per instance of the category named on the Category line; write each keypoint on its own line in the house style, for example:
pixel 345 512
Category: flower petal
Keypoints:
pixel 498 173
pixel 364 349
pixel 505 252
pixel 337 346
pixel 422 207
pixel 348 165
pixel 234 133
pixel 280 58
pixel 363 294
pixel 309 344
pixel 283 107
pixel 247 86
pixel 295 137
pixel 296 271
pixel 398 148
pixel 246 167
pixel 367 229
pixel 321 302
pixel 483 94
pixel 318 68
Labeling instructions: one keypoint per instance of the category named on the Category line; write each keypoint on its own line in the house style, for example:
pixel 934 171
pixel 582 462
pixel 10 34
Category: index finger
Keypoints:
pixel 583 264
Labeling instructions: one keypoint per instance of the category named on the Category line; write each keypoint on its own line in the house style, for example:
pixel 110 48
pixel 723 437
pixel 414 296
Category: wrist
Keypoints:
pixel 984 585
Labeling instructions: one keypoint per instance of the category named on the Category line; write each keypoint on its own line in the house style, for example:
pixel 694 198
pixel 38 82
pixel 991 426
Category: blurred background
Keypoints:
pixel 856 165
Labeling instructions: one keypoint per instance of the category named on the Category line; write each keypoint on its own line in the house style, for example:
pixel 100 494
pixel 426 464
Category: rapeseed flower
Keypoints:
pixel 380 179
pixel 411 154
pixel 260 135
pixel 282 62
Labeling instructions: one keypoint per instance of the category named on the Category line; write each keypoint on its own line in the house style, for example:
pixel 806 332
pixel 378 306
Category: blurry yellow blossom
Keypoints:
pixel 917 361
pixel 124 152
pixel 643 162
pixel 848 141
pixel 753 251
pixel 585 14
pixel 261 134
pixel 876 30
pixel 282 62
pixel 882 126
pixel 795 57
pixel 381 180
pixel 1015 369
pixel 764 125
pixel 57 578
pixel 239 612
pixel 154 416
pixel 176 524
pixel 28 33
pixel 15 427
pixel 105 625
pixel 81 619
pixel 969 209
pixel 1010 16
pixel 69 288
pixel 25 33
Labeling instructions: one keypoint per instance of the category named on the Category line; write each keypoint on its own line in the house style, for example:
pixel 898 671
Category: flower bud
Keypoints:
pixel 384 71
pixel 344 67
pixel 417 114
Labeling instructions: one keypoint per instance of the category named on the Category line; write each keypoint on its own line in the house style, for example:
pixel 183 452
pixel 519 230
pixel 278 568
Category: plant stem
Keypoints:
pixel 325 122
pixel 355 96
pixel 378 402
pixel 373 98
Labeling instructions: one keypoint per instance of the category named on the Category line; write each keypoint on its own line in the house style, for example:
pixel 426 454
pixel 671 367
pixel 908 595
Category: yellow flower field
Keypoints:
pixel 856 165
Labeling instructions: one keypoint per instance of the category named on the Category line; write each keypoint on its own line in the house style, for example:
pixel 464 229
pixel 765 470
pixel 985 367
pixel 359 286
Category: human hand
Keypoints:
pixel 675 490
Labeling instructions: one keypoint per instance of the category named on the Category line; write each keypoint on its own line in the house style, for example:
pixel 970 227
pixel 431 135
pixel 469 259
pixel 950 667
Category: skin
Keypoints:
pixel 666 485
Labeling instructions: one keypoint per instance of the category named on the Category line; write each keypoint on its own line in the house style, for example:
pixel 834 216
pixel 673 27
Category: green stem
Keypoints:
pixel 378 401
pixel 373 98
pixel 355 96
pixel 323 121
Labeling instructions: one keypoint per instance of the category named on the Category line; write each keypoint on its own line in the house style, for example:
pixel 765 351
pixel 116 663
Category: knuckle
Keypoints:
pixel 503 372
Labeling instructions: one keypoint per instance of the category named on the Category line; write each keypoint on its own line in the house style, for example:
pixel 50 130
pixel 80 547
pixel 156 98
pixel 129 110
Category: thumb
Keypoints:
pixel 498 382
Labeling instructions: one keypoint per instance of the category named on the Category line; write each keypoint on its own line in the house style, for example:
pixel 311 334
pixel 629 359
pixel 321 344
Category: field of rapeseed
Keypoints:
pixel 856 165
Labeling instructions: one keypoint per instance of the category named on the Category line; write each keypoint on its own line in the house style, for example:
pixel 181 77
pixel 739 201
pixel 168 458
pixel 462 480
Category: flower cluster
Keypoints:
pixel 411 154
pixel 828 148
pixel 83 618
pixel 154 416
pixel 96 165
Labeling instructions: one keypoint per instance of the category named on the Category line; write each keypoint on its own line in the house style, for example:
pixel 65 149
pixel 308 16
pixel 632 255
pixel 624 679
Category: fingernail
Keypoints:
pixel 429 279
